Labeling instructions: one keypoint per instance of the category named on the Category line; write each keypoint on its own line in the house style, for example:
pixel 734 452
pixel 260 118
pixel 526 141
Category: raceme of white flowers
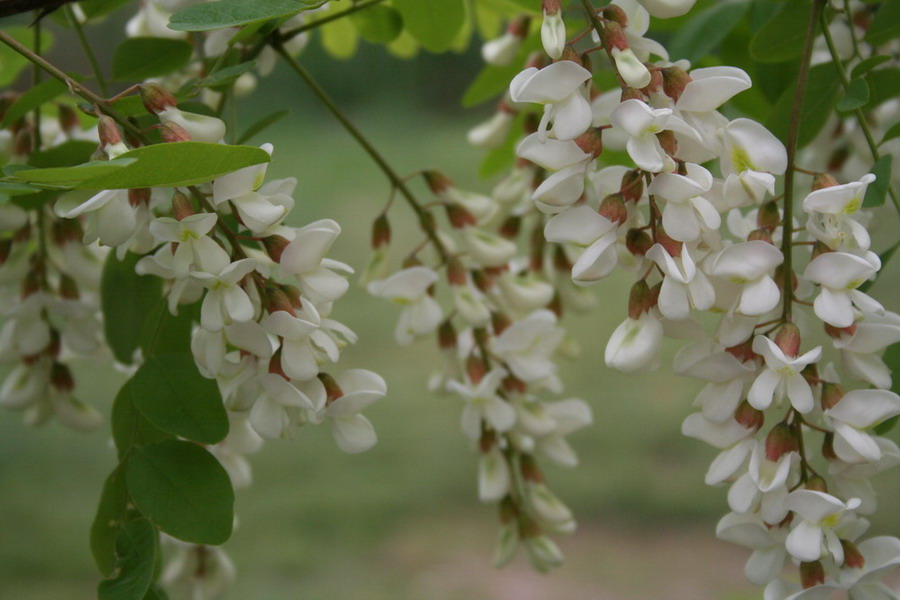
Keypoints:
pixel 695 217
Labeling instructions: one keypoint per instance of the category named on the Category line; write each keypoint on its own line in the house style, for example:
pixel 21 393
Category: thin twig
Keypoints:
pixel 88 52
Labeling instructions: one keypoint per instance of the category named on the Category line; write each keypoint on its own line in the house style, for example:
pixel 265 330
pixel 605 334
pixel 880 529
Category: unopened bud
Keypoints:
pixel 61 377
pixel 511 227
pixel 673 247
pixel 519 26
pixel 156 98
pixel 614 36
pixel 23 142
pixel 65 231
pixel 822 181
pixel 277 299
pixel 639 299
pixel 561 261
pixel 668 142
pixel 788 339
pixel 530 469
pixel 68 118
pixel 31 284
pixel 22 234
pixel 332 390
pixel 475 369
pixel 818 250
pixel 811 574
pixel 446 336
pixel 816 484
pixel 550 7
pixel 556 305
pixel 630 93
pixel 499 322
pixel 853 558
pixel 780 441
pixel 275 245
pixel 171 132
pixel 749 417
pixel 513 385
pixel 293 295
pixel 181 206
pixel 437 181
pixel 508 510
pixel 487 440
pixel 569 53
pixel 675 79
pixel 760 235
pixel 831 394
pixel 614 12
pixel 591 141
pixel 459 216
pixel 839 332
pixel 768 217
pixel 456 272
pixel 778 275
pixel 613 208
pixel 632 186
pixel 68 289
pixel 381 231
pixel 656 82
pixel 638 242
pixel 138 197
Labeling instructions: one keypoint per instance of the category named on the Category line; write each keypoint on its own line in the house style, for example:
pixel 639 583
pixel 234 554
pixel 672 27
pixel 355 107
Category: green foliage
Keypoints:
pixel 877 190
pixel 170 392
pixel 166 165
pixel 137 550
pixel 261 125
pixel 36 96
pixel 864 66
pixel 126 298
pixel 93 9
pixel 855 96
pixel 886 24
pixel 110 515
pixel 821 90
pixel 781 38
pixel 182 489
pixel 893 132
pixel 11 62
pixel 884 84
pixel 67 154
pixel 378 24
pixel 130 429
pixel 490 83
pixel 234 13
pixel 139 58
pixel 165 333
pixel 706 30
pixel 434 24
pixel 224 77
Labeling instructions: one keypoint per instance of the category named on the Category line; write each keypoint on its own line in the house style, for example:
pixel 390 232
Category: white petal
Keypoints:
pixel 353 434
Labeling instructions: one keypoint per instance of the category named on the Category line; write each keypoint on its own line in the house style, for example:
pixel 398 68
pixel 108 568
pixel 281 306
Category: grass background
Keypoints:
pixel 403 521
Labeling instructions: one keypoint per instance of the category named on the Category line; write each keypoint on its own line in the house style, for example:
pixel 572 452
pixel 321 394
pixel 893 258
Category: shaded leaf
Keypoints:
pixel 893 132
pixel 868 64
pixel 226 76
pixel 183 490
pixel 139 58
pixel 67 154
pixel 855 96
pixel 262 124
pixel 821 90
pixel 130 429
pixel 781 38
pixel 884 257
pixel 170 392
pixel 884 85
pixel 705 30
pixel 886 24
pixel 11 62
pixel 233 13
pixel 69 176
pixel 378 24
pixel 877 190
pixel 434 24
pixel 109 518
pixel 126 299
pixel 137 550
pixel 490 83
pixel 43 92
pixel 165 333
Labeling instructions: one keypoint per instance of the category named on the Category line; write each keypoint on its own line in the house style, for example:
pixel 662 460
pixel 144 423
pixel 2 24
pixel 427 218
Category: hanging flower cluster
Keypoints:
pixel 694 218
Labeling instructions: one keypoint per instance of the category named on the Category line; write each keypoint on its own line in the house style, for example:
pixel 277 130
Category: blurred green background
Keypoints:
pixel 403 521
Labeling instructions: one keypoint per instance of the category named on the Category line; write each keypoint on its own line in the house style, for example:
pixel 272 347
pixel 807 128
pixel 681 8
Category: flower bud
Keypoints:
pixel 639 299
pixel 778 275
pixel 500 322
pixel 511 227
pixel 781 440
pixel 561 261
pixel 811 374
pixel 853 558
pixel 788 339
pixel 138 197
pixel 768 216
pixel 553 30
pixel 614 36
pixel 839 332
pixel 675 80
pixel 831 395
pixel 23 142
pixel 828 452
pixel 447 335
pixel 381 231
pixel 656 82
pixel 68 289
pixel 591 141
pixel 156 98
pixel 743 351
pixel 68 118
pixel 638 242
pixel 459 216
pixel 613 208
pixel 571 54
pixel 22 234
pixel 749 417
pixel 293 295
pixel 761 235
pixel 61 377
pixel 668 142
pixel 817 484
pixel 275 245
pixel 181 206
pixel 65 231
pixel 530 469
pixel 513 385
pixel 437 182
pixel 632 186
pixel 822 181
pixel 614 12
pixel 171 132
pixel 630 93
pixel 332 390
pixel 671 246
pixel 508 510
pixel 456 272
pixel 475 369
pixel 556 305
pixel 811 574
pixel 818 250
pixel 276 299
pixel 487 440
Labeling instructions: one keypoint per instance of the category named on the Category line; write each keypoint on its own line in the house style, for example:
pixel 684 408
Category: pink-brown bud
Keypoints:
pixel 277 299
pixel 556 305
pixel 332 390
pixel 459 216
pixel 743 351
pixel 23 142
pixel 614 12
pixel 780 441
pixel 437 181
pixel 511 227
pixel 138 197
pixel 499 322
pixel 156 98
pixel 561 261
pixel 61 377
pixel 768 216
pixel 275 245
pixel 482 280
pixel 22 234
pixel 749 417
pixel 656 82
pixel 788 339
pixel 487 440
pixel 853 558
pixel 614 36
pixel 613 208
pixel 508 511
pixel 381 231
pixel 68 118
pixel 818 250
pixel 839 332
pixel 811 574
pixel 632 186
pixel 456 272
pixel 638 242
pixel 760 235
pixel 591 141
pixel 630 93
pixel 668 142
pixel 513 385
pixel 816 484
pixel 831 394
pixel 675 80
pixel 475 369
pixel 550 7
pixel 530 469
pixel 68 289
pixel 181 206
pixel 447 336
pixel 275 365
pixel 822 181
pixel 828 452
pixel 673 247
pixel 172 132
pixel 569 53
pixel 640 299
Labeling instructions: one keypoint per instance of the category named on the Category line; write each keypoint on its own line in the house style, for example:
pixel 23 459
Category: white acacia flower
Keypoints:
pixel 493 475
pixel 493 132
pixel 749 264
pixel 767 543
pixel 839 274
pixel 487 248
pixel 633 72
pixel 299 334
pixel 727 377
pixel 202 128
pixel 687 213
pixel 421 313
pixel 501 51
pixel 210 347
pixel 781 375
pixel 111 219
pixel 855 413
pixel 305 259
pixel 666 9
pixel 593 235
pixel 684 286
pixel 711 87
pixel 814 534
pixel 861 350
pixel 752 158
pixel 642 124
pixel 553 34
pixel 483 403
pixel 527 345
pixel 551 154
pixel 225 301
pixel 195 247
pixel 634 345
pixel 281 404
pixel 352 431
pixel 559 87
pixel 831 214
pixel 568 415
pixel 524 292
pixel 26 384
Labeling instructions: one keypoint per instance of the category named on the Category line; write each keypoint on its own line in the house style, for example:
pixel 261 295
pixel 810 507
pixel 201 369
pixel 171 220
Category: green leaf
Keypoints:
pixel 156 593
pixel 490 83
pixel 501 157
pixel 11 62
pixel 170 392
pixel 884 257
pixel 97 8
pixel 893 132
pixel 226 76
pixel 67 154
pixel 14 188
pixel 884 85
pixel 856 96
pixel 262 124
pixel 868 64
pixel 706 30
pixel 233 13
pixel 39 94
pixel 70 176
pixel 163 165
pixel 126 298
pixel 139 58
pixel 378 24
pixel 878 189
pixel 886 24
pixel 339 37
pixel 781 38
pixel 108 520
pixel 130 429
pixel 137 550
pixel 434 23
pixel 183 490
pixel 821 90
pixel 165 333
